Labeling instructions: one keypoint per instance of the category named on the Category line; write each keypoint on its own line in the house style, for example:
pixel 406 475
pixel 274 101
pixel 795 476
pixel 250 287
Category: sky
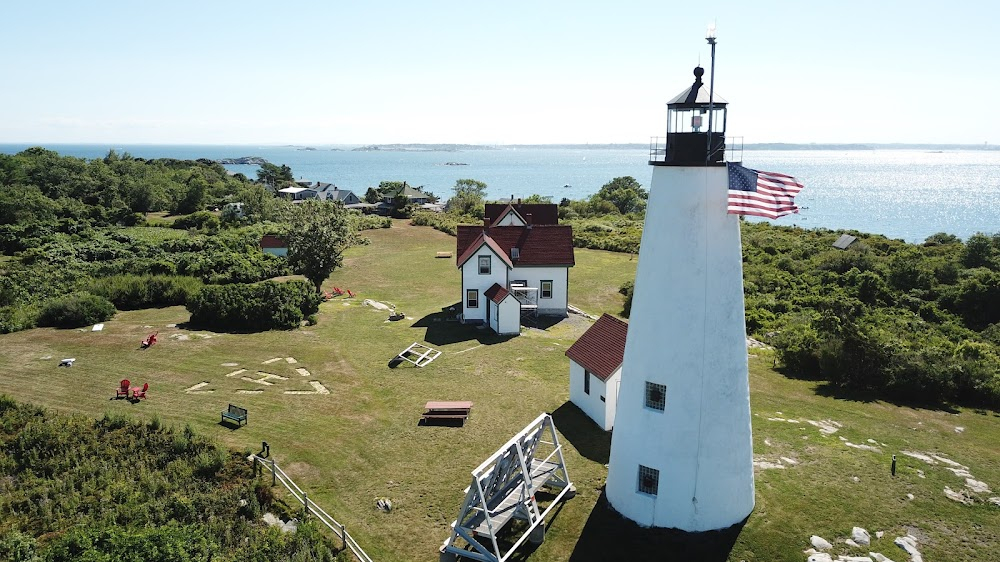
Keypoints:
pixel 336 72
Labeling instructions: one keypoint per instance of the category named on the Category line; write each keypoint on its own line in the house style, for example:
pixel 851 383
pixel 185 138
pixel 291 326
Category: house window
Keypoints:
pixel 649 480
pixel 472 298
pixel 484 265
pixel 656 396
pixel 546 289
pixel 519 283
pixel 586 381
pixel 515 253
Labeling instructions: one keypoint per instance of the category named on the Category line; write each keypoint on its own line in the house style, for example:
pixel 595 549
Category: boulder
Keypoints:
pixel 819 557
pixel 909 544
pixel 819 543
pixel 861 536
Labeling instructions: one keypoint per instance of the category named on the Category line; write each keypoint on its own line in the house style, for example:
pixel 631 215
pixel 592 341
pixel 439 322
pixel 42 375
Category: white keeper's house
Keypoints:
pixel 513 268
pixel 595 369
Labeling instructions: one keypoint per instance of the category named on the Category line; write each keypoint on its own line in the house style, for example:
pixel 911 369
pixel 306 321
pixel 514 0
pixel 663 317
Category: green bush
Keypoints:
pixel 201 220
pixel 361 222
pixel 65 497
pixel 131 292
pixel 17 318
pixel 254 307
pixel 76 310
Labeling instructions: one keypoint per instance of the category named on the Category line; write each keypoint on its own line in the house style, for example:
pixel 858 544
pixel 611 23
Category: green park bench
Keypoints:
pixel 236 414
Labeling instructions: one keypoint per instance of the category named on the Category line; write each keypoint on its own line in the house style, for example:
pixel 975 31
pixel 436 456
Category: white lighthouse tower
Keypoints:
pixel 681 453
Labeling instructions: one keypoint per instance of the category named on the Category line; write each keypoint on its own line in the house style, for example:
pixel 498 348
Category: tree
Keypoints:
pixel 625 193
pixel 258 204
pixel 194 195
pixel 274 175
pixel 469 198
pixel 317 235
pixel 981 251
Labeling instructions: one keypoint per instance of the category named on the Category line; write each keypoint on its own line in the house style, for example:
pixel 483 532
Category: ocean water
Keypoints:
pixel 907 194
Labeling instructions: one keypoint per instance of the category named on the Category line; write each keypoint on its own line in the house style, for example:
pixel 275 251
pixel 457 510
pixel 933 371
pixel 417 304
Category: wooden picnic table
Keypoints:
pixel 445 410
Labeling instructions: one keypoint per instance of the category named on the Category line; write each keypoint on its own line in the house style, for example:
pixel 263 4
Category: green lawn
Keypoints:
pixel 363 441
pixel 152 235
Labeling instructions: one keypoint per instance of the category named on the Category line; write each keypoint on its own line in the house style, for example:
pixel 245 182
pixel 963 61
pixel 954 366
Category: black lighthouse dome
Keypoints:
pixel 696 127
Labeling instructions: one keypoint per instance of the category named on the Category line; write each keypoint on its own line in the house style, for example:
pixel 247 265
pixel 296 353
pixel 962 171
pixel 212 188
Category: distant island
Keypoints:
pixel 306 148
pixel 254 160
pixel 455 164
pixel 421 147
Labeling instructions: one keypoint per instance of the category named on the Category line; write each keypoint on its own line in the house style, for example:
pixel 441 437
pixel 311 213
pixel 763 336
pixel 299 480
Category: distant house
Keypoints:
pixel 529 262
pixel 273 245
pixel 387 197
pixel 595 369
pixel 297 193
pixel 330 192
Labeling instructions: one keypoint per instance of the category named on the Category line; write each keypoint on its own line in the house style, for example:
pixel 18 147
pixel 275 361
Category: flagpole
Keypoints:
pixel 710 37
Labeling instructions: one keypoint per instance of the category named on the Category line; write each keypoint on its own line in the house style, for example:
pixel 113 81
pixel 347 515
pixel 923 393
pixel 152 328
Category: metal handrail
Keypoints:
pixel 658 149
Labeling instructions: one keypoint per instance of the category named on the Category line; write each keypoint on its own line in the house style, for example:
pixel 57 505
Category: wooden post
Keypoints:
pixel 343 535
pixel 305 504
pixel 274 474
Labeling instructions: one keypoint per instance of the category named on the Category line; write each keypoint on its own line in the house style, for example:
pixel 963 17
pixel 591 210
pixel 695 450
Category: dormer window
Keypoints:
pixel 484 265
pixel 515 253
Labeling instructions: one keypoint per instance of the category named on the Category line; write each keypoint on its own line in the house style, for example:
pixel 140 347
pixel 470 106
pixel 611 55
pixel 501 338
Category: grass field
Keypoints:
pixel 362 440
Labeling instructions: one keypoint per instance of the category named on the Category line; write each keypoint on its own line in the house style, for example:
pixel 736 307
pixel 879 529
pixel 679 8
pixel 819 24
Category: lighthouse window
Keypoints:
pixel 546 289
pixel 649 480
pixel 484 265
pixel 586 381
pixel 656 396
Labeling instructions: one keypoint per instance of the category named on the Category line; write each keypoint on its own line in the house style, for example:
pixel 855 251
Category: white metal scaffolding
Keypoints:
pixel 528 299
pixel 503 488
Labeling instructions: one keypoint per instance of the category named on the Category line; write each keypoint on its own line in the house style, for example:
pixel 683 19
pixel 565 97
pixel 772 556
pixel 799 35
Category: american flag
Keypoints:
pixel 762 194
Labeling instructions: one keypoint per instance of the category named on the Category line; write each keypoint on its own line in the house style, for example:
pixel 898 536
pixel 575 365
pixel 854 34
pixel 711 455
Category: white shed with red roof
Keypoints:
pixel 503 311
pixel 595 369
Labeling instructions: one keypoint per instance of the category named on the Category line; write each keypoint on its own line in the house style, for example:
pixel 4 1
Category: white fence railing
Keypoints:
pixel 278 476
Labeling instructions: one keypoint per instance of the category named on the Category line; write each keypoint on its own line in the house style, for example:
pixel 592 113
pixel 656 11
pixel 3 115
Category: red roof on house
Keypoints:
pixel 471 250
pixel 271 241
pixel 496 293
pixel 538 245
pixel 541 213
pixel 601 349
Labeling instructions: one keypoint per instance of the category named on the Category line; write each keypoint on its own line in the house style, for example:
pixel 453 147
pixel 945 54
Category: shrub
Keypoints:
pixel 257 307
pixel 76 310
pixel 201 220
pixel 17 318
pixel 131 292
pixel 445 222
pixel 361 222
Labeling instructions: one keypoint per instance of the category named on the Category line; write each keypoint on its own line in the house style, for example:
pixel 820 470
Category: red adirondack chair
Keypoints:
pixel 122 391
pixel 150 340
pixel 140 393
pixel 338 291
pixel 350 294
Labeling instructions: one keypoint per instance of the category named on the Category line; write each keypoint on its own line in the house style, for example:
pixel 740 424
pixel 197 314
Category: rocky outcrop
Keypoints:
pixel 255 160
